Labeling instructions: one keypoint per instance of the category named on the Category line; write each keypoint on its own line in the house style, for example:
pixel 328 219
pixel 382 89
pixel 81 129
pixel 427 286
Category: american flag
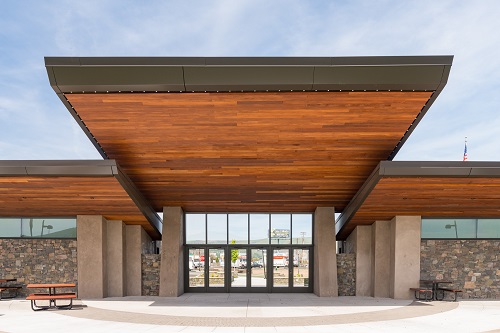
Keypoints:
pixel 465 151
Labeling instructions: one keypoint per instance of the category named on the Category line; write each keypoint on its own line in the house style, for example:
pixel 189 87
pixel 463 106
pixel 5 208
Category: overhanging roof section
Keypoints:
pixel 428 189
pixel 251 134
pixel 59 188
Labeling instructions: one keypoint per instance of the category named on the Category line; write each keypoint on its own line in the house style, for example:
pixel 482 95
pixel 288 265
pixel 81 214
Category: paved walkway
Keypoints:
pixel 254 313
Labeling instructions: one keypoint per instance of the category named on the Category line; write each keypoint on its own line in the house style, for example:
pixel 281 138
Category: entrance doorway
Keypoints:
pixel 236 268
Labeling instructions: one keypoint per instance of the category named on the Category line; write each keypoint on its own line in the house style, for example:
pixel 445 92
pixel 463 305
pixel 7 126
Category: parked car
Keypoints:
pixel 257 264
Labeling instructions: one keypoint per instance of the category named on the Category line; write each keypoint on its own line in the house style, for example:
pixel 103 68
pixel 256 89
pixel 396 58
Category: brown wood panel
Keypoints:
pixel 429 197
pixel 68 196
pixel 276 151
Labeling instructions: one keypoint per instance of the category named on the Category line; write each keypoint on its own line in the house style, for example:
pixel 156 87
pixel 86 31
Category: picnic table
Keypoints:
pixel 431 290
pixel 52 296
pixel 5 286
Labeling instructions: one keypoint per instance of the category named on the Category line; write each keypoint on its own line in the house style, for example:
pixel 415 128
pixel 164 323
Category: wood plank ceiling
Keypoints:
pixel 253 151
pixel 428 197
pixel 36 196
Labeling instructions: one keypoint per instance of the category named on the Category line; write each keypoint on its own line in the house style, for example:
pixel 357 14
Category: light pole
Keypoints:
pixel 454 225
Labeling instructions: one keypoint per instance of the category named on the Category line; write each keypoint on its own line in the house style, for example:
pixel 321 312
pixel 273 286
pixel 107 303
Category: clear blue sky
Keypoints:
pixel 34 124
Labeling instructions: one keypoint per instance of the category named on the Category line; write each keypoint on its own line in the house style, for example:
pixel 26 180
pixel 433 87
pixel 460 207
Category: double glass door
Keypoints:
pixel 237 268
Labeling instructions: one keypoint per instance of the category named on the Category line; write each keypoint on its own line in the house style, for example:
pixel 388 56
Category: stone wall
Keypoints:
pixel 474 265
pixel 38 261
pixel 150 274
pixel 346 274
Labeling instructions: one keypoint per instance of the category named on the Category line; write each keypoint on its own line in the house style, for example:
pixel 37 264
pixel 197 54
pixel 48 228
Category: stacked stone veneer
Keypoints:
pixel 346 270
pixel 38 261
pixel 346 274
pixel 151 274
pixel 474 265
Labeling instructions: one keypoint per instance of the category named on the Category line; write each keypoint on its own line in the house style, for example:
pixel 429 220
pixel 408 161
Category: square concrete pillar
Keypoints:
pixel 325 253
pixel 381 258
pixel 405 255
pixel 116 259
pixel 360 243
pixel 138 242
pixel 172 248
pixel 91 235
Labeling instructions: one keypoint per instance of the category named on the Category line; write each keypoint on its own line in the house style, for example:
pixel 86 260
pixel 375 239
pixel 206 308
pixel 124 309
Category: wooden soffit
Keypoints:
pixel 427 189
pixel 70 188
pixel 248 134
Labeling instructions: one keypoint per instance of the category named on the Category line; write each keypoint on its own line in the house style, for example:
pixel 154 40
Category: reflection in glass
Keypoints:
pixel 258 268
pixel 280 268
pixel 238 228
pixel 195 229
pixel 259 228
pixel 300 268
pixel 216 268
pixel 196 261
pixel 49 227
pixel 238 267
pixel 280 228
pixel 217 228
pixel 10 227
pixel 302 228
pixel 448 228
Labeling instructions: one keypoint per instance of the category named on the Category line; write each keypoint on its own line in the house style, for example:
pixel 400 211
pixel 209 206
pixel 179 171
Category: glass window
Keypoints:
pixel 280 228
pixel 238 228
pixel 10 227
pixel 49 227
pixel 195 229
pixel 450 228
pixel 38 227
pixel 488 228
pixel 259 228
pixel 302 228
pixel 217 228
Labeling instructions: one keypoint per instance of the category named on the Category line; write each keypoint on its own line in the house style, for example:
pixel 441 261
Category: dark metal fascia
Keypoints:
pixel 140 201
pixel 358 199
pixel 434 96
pixel 250 61
pixel 237 73
pixel 57 168
pixel 72 111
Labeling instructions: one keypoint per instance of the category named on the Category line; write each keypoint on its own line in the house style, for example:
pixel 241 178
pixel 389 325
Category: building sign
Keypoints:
pixel 280 233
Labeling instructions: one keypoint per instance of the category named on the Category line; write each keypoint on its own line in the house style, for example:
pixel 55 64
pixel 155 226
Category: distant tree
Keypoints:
pixel 234 253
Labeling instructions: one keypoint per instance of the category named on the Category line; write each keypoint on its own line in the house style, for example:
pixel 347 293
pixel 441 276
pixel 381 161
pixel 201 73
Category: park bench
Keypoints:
pixel 11 290
pixel 427 293
pixel 442 291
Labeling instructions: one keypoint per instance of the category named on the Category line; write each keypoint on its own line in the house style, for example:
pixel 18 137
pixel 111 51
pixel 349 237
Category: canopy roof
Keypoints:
pixel 248 134
pixel 427 189
pixel 70 188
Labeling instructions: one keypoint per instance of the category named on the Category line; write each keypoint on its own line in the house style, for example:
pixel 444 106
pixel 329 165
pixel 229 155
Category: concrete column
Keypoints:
pixel 325 253
pixel 172 263
pixel 138 242
pixel 360 242
pixel 116 259
pixel 91 234
pixel 381 254
pixel 405 255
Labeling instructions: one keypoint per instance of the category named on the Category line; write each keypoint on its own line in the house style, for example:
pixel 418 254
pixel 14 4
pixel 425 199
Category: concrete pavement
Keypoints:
pixel 254 313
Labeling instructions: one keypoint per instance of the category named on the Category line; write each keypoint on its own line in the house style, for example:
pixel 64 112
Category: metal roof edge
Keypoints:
pixel 140 201
pixel 434 96
pixel 61 168
pixel 51 61
pixel 358 199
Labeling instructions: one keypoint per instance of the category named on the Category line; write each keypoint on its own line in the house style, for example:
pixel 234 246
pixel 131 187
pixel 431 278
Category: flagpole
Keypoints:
pixel 465 150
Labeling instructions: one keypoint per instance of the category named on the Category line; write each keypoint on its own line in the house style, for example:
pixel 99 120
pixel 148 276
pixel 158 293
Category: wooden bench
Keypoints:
pixel 427 292
pixel 52 300
pixel 9 289
pixel 448 290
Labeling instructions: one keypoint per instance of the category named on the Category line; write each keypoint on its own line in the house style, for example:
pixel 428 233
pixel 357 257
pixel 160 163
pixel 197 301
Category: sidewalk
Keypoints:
pixel 254 313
